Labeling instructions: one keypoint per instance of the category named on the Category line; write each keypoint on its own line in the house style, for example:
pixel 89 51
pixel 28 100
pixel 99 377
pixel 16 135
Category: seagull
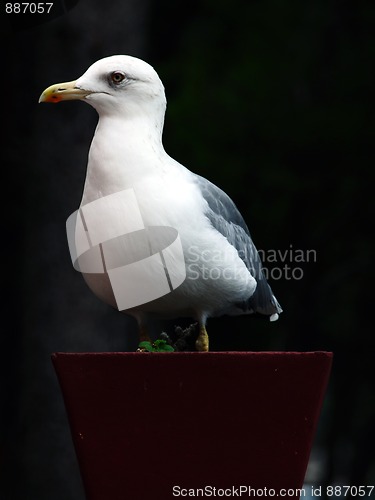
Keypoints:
pixel 223 270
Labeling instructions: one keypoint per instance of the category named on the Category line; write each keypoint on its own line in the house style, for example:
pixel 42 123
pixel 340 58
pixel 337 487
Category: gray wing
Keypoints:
pixel 226 218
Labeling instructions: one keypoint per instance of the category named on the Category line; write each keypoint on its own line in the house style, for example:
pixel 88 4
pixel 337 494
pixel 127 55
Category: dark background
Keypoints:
pixel 274 102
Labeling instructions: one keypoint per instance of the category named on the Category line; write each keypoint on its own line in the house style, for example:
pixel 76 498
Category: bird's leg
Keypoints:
pixel 202 341
pixel 143 335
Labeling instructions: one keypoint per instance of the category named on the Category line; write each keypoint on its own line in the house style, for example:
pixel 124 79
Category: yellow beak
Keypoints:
pixel 63 92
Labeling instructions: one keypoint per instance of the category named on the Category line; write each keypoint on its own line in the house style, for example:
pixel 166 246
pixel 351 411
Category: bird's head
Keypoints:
pixel 117 84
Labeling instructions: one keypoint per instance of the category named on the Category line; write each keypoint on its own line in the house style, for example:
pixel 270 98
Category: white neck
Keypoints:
pixel 124 150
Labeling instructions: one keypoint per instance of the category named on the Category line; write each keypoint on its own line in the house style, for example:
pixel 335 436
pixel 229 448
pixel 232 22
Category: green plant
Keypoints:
pixel 157 346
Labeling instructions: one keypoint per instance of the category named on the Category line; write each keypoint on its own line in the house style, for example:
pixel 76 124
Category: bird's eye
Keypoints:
pixel 117 77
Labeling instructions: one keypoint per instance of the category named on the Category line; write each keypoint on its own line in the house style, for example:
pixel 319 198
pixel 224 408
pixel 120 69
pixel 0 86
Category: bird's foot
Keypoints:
pixel 202 342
